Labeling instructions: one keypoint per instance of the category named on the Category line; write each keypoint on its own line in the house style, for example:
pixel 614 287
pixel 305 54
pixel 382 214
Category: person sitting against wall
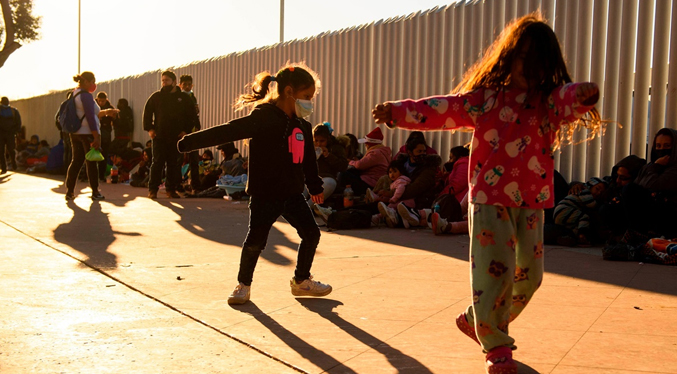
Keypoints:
pixel 422 169
pixel 415 134
pixel 650 202
pixel 365 172
pixel 331 157
pixel 139 178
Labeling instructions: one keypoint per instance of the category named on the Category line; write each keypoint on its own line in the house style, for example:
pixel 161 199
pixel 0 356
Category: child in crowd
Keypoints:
pixel 519 100
pixel 139 178
pixel 331 157
pixel 282 158
pixel 396 173
pixel 365 172
pixel 572 212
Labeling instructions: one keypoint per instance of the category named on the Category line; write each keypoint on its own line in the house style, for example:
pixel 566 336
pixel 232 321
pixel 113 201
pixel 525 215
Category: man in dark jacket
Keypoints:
pixel 186 84
pixel 10 123
pixel 169 114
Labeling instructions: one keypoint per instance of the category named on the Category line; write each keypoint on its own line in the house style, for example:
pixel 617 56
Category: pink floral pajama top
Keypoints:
pixel 511 160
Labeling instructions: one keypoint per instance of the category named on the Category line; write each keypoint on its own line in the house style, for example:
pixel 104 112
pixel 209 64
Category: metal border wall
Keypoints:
pixel 623 45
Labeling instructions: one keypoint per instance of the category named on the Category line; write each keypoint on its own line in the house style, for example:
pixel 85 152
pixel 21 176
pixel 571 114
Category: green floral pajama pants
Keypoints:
pixel 506 260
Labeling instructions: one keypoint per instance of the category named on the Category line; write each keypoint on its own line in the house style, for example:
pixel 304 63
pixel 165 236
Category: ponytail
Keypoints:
pixel 297 75
pixel 85 75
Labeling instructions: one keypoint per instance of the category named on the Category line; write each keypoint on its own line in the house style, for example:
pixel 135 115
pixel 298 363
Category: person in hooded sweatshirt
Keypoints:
pixel 365 172
pixel 10 123
pixel 281 160
pixel 651 202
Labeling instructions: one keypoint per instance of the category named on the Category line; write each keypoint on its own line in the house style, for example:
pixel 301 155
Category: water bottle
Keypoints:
pixel 436 208
pixel 114 174
pixel 348 196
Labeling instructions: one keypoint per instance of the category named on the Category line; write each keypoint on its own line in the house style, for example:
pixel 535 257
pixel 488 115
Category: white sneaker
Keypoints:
pixel 388 213
pixel 409 216
pixel 309 287
pixel 322 212
pixel 439 224
pixel 240 294
pixel 370 196
pixel 376 220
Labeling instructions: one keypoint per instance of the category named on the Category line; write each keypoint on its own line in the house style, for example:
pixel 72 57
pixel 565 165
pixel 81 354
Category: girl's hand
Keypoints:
pixel 663 160
pixel 318 199
pixel 587 93
pixel 382 113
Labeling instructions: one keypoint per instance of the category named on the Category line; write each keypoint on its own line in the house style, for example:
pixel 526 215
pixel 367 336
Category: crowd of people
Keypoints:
pixel 501 189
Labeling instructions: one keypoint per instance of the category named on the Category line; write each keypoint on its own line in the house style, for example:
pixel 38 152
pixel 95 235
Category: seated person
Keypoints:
pixel 573 212
pixel 29 150
pixel 351 145
pixel 397 174
pixel 447 203
pixel 413 135
pixel 650 202
pixel 233 163
pixel 365 172
pixel 139 178
pixel 331 157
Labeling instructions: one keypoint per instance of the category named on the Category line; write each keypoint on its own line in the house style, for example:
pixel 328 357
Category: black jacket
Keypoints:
pixel 422 186
pixel 282 154
pixel 169 114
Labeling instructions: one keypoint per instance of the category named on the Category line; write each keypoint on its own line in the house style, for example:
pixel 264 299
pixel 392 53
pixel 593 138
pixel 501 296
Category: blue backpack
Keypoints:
pixel 68 116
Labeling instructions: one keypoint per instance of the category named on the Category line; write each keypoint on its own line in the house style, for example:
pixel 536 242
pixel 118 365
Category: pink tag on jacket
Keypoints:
pixel 296 145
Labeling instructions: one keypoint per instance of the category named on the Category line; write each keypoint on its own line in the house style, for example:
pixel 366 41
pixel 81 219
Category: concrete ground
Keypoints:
pixel 132 285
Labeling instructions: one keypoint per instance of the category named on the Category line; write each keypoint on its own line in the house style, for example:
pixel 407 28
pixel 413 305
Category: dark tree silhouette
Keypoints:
pixel 19 26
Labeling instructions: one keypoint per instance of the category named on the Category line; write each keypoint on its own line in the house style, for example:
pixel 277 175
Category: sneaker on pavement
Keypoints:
pixel 152 194
pixel 409 215
pixel 376 220
pixel 389 214
pixel 98 196
pixel 173 195
pixel 309 287
pixel 240 294
pixel 322 212
pixel 370 196
pixel 439 224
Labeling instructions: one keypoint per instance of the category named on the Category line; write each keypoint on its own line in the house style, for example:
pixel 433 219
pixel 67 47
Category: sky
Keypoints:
pixel 127 37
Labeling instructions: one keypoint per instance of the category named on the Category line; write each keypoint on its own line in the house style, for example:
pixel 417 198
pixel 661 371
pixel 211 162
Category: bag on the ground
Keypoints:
pixel 68 116
pixel 93 155
pixel 349 219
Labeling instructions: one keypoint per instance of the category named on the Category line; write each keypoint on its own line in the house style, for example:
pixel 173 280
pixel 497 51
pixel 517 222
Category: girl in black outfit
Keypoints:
pixel 282 158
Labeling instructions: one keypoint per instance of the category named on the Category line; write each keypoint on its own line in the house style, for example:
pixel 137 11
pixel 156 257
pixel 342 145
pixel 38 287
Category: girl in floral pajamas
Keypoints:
pixel 521 104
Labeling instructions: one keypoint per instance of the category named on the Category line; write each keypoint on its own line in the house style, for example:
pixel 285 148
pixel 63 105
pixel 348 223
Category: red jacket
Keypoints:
pixel 457 181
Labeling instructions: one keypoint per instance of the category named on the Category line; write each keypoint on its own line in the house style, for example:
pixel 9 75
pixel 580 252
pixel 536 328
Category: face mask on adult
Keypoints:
pixel 304 108
pixel 419 159
pixel 92 88
pixel 658 153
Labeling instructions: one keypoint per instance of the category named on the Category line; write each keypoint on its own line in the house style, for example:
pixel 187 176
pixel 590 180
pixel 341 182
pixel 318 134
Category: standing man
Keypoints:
pixel 10 124
pixel 169 114
pixel 106 132
pixel 186 83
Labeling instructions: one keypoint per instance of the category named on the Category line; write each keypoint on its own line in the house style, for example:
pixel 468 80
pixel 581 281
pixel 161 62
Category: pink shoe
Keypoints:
pixel 499 361
pixel 464 326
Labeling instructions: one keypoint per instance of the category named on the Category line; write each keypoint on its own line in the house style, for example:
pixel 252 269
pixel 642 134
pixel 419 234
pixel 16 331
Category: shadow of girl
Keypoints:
pixel 90 233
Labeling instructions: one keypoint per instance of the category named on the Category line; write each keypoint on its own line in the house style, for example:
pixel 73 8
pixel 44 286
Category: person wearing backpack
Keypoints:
pixel 85 137
pixel 10 124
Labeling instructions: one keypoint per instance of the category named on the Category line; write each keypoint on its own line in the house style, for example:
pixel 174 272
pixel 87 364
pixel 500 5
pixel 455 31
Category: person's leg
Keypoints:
pixel 11 146
pixel 105 151
pixel 492 260
pixel 529 266
pixel 297 213
pixel 76 162
pixel 173 166
pixel 157 165
pixel 194 159
pixel 3 146
pixel 262 214
pixel 329 186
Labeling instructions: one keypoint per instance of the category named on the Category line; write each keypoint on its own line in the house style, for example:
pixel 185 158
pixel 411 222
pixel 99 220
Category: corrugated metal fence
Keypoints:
pixel 623 45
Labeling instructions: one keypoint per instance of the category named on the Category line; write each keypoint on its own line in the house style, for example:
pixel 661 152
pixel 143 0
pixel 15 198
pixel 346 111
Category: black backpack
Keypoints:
pixel 349 219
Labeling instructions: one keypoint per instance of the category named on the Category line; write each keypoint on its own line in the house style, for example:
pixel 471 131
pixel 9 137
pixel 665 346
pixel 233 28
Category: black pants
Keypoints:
pixel 194 160
pixel 262 214
pixel 7 143
pixel 81 144
pixel 165 153
pixel 352 177
pixel 105 151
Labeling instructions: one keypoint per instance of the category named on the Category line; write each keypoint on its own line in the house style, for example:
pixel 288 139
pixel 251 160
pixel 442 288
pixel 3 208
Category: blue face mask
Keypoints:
pixel 304 108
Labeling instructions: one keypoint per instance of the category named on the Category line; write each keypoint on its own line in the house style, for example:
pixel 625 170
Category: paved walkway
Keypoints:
pixel 131 285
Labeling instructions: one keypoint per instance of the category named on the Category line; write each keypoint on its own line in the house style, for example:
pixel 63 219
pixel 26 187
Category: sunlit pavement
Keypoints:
pixel 132 285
